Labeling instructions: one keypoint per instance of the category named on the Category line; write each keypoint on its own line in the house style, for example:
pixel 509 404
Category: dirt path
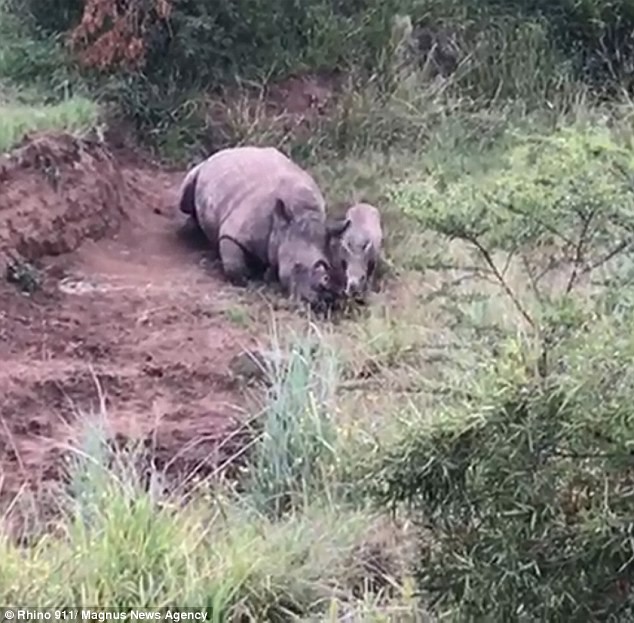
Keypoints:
pixel 137 314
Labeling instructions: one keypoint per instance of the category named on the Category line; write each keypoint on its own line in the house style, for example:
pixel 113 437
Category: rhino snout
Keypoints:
pixel 356 285
pixel 310 283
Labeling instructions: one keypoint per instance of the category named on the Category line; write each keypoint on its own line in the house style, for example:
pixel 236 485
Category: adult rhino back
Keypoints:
pixel 236 190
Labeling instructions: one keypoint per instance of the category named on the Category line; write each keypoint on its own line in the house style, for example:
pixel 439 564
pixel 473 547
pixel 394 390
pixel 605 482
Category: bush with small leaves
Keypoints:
pixel 521 481
pixel 523 494
pixel 561 203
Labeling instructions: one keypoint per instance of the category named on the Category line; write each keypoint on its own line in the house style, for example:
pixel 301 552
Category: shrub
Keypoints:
pixel 111 37
pixel 201 42
pixel 595 36
pixel 47 17
pixel 523 495
pixel 25 59
pixel 597 33
pixel 520 482
pixel 563 202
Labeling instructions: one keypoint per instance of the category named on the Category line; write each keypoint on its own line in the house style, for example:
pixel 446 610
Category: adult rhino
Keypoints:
pixel 262 212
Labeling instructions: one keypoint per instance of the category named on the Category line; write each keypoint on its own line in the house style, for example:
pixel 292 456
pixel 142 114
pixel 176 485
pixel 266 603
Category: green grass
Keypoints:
pixel 350 422
pixel 75 114
pixel 39 90
pixel 473 384
pixel 123 547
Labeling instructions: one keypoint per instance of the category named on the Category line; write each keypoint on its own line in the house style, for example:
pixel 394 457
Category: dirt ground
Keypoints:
pixel 129 306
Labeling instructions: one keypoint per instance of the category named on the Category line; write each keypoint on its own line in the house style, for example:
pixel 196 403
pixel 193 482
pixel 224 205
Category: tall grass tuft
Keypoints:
pixel 295 460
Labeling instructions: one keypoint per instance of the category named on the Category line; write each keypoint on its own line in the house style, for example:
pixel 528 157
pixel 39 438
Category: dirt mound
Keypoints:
pixel 305 95
pixel 56 191
pixel 127 317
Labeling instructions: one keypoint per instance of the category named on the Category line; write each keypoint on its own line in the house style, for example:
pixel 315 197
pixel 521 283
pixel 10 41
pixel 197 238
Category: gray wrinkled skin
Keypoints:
pixel 356 252
pixel 262 212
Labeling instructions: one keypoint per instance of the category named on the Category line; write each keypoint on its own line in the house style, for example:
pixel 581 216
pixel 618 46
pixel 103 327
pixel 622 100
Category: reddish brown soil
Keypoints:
pixel 127 308
pixel 304 95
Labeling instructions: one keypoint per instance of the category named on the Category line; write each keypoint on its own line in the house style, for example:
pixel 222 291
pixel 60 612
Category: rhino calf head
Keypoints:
pixel 356 251
pixel 299 244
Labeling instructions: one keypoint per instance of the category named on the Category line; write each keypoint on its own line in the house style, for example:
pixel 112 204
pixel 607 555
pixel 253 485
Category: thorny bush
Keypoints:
pixel 521 481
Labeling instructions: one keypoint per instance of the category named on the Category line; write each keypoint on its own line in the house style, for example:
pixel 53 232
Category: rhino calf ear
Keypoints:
pixel 282 212
pixel 336 228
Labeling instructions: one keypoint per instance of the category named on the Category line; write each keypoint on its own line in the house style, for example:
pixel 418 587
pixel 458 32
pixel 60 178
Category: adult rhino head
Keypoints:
pixel 298 246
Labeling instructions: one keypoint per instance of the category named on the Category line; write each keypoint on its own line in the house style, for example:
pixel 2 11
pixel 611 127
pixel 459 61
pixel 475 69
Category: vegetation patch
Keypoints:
pixel 76 114
pixel 481 401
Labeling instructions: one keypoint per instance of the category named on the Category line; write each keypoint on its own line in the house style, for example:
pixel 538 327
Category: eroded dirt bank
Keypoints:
pixel 127 306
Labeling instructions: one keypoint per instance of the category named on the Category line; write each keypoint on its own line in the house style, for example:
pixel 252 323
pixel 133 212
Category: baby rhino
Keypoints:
pixel 262 213
pixel 357 250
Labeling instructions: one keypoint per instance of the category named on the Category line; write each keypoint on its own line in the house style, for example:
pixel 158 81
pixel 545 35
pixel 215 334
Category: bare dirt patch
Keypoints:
pixel 127 307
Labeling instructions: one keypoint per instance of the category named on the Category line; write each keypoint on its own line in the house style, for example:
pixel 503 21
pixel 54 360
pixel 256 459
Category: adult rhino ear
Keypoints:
pixel 282 213
pixel 337 227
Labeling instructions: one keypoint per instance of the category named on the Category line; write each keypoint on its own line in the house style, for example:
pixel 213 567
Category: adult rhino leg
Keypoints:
pixel 234 261
pixel 270 275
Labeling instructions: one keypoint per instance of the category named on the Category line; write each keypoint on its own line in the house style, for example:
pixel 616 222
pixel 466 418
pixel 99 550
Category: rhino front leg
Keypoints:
pixel 234 262
pixel 270 275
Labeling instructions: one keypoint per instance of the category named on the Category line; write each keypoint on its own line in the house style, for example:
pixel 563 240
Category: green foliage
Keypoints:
pixel 546 188
pixel 204 47
pixel 386 104
pixel 49 17
pixel 16 119
pixel 513 58
pixel 524 493
pixel 492 51
pixel 38 89
pixel 520 478
pixel 295 458
pixel 597 34
pixel 207 47
pixel 249 37
pixel 119 541
pixel 594 36
pixel 560 205
pixel 27 59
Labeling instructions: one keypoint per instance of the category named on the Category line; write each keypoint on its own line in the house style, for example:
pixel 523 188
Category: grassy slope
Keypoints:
pixel 35 92
pixel 16 118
